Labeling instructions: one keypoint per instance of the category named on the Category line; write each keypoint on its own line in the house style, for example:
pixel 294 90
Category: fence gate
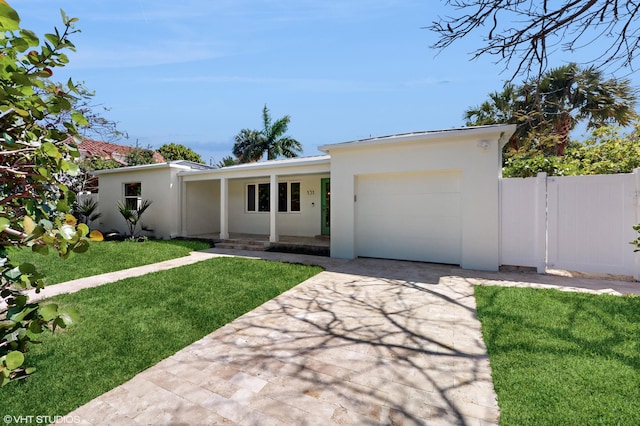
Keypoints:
pixel 589 223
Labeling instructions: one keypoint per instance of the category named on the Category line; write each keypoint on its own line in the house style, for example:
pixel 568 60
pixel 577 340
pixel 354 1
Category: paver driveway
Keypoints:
pixel 365 342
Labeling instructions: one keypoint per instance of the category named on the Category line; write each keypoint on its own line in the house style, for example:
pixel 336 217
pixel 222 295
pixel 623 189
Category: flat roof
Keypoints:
pixel 287 162
pixel 179 164
pixel 429 134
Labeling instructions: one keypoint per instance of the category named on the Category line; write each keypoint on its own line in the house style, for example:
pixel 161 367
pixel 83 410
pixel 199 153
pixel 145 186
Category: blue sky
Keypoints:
pixel 196 72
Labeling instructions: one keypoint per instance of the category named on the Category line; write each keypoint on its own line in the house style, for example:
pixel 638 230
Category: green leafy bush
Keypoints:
pixel 36 117
pixel 606 151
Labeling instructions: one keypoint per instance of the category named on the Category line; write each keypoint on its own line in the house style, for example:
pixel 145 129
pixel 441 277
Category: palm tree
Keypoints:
pixel 252 144
pixel 504 107
pixel 249 146
pixel 546 109
pixel 568 95
pixel 226 162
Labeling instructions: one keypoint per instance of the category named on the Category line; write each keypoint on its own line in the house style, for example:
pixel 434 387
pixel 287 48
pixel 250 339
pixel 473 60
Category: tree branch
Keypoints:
pixel 530 28
pixel 15 233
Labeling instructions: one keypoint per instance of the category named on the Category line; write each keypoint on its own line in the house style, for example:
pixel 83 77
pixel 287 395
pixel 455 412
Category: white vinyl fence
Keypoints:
pixel 575 223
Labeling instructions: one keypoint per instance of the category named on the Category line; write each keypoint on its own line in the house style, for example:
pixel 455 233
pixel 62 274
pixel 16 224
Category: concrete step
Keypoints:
pixel 243 245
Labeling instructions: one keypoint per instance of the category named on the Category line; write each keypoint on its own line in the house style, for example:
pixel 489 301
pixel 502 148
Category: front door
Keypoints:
pixel 325 188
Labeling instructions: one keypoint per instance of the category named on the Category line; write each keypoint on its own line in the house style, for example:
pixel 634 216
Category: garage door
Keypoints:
pixel 409 216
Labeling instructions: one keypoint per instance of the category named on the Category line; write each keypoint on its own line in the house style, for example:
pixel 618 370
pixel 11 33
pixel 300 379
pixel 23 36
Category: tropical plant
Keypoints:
pixel 35 202
pixel 546 109
pixel 567 95
pixel 636 242
pixel 607 150
pixel 501 108
pixel 251 145
pixel 133 217
pixel 172 152
pixel 87 211
pixel 226 161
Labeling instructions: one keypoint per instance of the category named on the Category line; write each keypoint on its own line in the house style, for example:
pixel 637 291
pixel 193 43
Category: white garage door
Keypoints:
pixel 409 216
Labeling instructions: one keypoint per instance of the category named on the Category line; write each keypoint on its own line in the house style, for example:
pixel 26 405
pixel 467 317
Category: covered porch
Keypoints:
pixel 273 204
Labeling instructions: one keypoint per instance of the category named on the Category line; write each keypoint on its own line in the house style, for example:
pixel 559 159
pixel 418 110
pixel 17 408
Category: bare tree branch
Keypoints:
pixel 523 33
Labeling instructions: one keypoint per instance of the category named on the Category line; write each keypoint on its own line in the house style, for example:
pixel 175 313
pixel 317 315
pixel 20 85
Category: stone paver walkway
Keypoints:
pixel 365 342
pixel 109 277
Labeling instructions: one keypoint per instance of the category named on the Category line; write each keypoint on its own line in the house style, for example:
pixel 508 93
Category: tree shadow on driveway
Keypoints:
pixel 365 342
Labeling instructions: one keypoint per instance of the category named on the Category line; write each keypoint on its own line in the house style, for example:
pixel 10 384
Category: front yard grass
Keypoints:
pixel 132 324
pixel 105 256
pixel 561 358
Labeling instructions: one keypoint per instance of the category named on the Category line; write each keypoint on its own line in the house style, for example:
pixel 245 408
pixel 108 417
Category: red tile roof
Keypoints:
pixel 107 150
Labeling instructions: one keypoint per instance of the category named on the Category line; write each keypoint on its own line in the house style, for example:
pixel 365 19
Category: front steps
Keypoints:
pixel 234 244
pixel 282 246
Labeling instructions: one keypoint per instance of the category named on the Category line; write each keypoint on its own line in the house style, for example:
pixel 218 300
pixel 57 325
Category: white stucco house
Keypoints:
pixel 426 196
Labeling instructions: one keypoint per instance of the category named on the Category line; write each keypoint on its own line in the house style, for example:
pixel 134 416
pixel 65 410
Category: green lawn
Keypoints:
pixel 105 256
pixel 562 358
pixel 132 324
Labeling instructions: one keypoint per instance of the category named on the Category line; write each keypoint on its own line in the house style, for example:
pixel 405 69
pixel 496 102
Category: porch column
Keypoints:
pixel 273 209
pixel 183 208
pixel 224 208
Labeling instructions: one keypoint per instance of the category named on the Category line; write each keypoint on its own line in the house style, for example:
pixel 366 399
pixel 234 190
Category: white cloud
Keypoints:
pixel 105 56
pixel 286 83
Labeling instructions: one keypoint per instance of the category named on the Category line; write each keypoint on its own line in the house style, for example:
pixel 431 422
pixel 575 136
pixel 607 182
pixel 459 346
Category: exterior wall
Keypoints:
pixel 476 156
pixel 159 185
pixel 305 223
pixel 202 207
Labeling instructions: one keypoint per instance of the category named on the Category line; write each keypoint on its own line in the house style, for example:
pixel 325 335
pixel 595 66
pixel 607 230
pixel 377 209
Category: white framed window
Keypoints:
pixel 258 196
pixel 133 195
pixel 294 196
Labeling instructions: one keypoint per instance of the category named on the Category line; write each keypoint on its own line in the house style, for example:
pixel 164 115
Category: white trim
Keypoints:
pixel 126 197
pixel 422 136
pixel 291 166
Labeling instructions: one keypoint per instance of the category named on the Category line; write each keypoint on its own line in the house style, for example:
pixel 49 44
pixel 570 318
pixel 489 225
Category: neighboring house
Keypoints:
pixel 424 196
pixel 109 151
pixel 90 148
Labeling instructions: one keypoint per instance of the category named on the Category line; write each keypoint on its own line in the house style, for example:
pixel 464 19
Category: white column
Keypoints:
pixel 273 209
pixel 182 214
pixel 224 209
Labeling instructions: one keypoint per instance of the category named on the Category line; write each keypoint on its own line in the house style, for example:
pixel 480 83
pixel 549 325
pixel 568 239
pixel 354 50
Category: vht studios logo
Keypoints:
pixel 8 419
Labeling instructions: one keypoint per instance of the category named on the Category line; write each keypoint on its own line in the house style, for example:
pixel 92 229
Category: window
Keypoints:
pixel 133 195
pixel 282 197
pixel 263 197
pixel 259 197
pixel 295 196
pixel 251 198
